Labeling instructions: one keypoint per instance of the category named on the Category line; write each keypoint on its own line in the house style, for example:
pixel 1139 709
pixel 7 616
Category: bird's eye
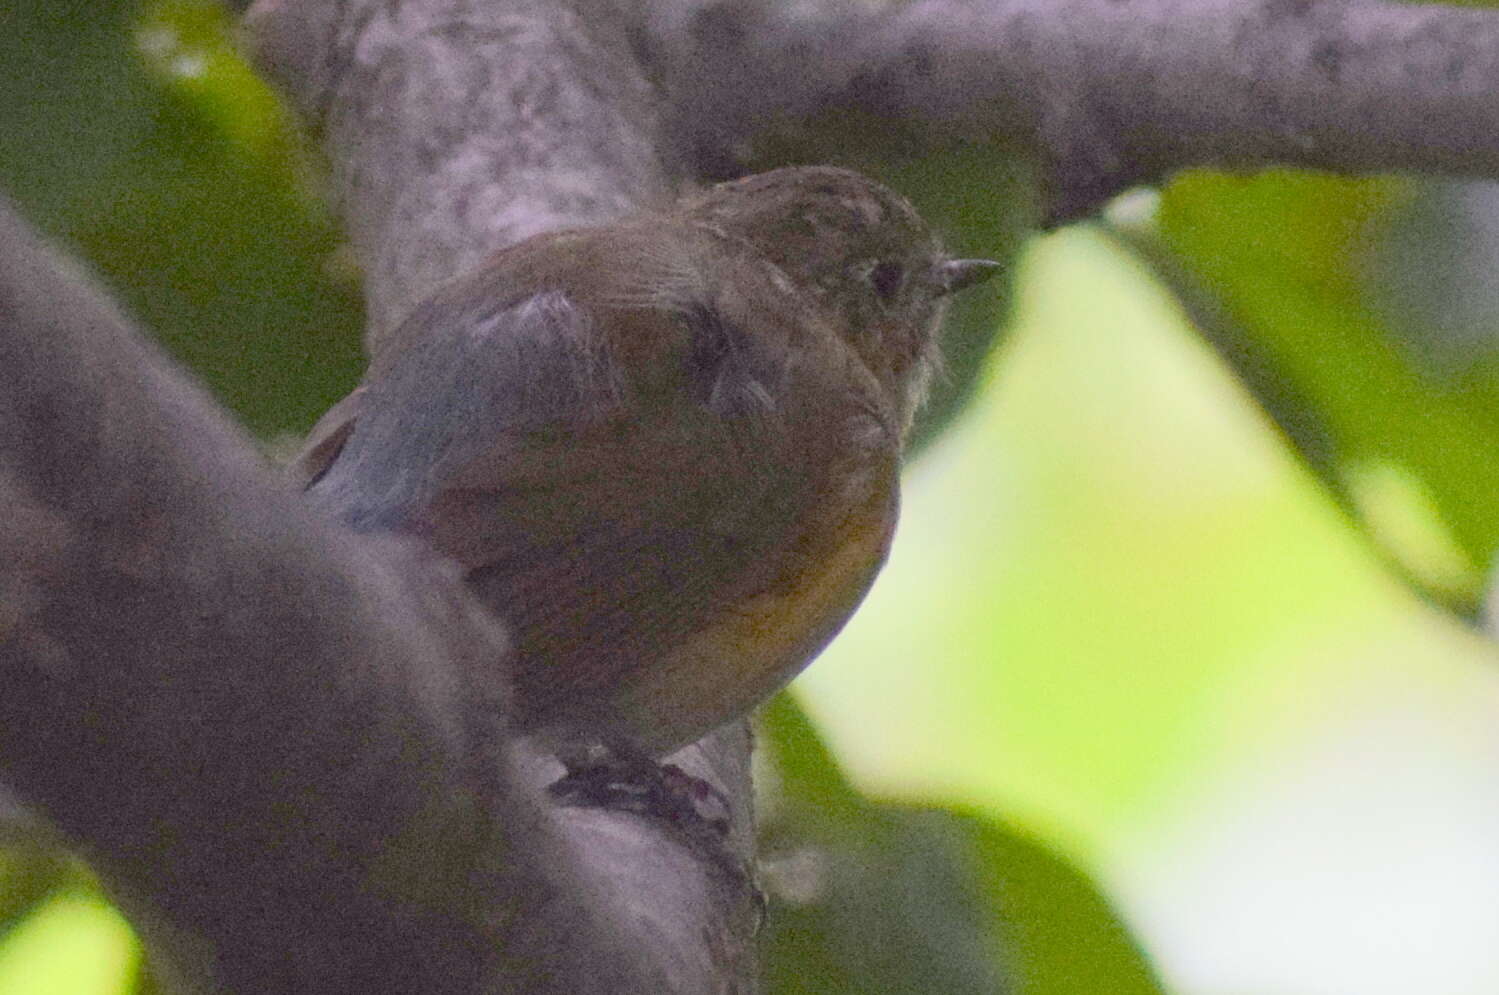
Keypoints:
pixel 887 278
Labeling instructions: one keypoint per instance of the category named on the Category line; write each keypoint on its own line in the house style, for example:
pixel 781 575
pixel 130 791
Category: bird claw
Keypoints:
pixel 642 786
pixel 696 809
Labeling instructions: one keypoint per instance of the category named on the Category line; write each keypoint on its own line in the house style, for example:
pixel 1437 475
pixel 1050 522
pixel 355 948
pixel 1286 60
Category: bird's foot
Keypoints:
pixel 641 785
pixel 698 811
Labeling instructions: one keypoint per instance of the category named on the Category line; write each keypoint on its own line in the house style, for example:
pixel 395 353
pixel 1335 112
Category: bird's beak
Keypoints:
pixel 956 274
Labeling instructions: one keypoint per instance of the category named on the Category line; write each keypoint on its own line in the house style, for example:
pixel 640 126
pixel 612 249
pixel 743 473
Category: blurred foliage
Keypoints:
pixel 136 134
pixel 878 897
pixel 57 935
pixel 74 943
pixel 29 874
pixel 1297 272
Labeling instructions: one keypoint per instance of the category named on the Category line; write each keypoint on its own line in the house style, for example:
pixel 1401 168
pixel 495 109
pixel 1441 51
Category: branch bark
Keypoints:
pixel 1107 94
pixel 282 745
pixel 236 710
pixel 455 128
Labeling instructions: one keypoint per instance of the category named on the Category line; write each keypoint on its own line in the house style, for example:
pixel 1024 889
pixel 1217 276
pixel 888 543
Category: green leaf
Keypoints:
pixel 1289 260
pixel 872 897
pixel 29 875
pixel 144 141
pixel 74 942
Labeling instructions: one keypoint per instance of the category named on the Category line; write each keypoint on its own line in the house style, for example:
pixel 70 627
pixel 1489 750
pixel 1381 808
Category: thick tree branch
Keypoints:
pixel 1107 93
pixel 454 128
pixel 282 745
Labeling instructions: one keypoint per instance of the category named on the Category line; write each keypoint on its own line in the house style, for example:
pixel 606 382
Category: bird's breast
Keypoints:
pixel 751 642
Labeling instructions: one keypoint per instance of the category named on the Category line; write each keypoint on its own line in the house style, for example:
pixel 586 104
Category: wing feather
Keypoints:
pixel 615 491
pixel 522 367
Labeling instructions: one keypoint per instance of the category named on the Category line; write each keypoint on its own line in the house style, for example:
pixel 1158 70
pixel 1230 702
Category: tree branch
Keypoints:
pixel 455 128
pixel 282 745
pixel 1107 93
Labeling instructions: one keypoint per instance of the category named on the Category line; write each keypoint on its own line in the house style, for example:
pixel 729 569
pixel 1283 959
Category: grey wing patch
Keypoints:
pixel 326 439
pixel 465 382
pixel 731 373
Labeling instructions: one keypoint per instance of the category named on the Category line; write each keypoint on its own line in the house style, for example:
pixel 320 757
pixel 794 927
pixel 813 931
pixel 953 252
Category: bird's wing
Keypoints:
pixel 327 438
pixel 458 386
pixel 612 506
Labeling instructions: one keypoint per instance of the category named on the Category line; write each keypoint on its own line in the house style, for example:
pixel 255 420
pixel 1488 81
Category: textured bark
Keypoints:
pixel 454 128
pixel 283 745
pixel 1105 93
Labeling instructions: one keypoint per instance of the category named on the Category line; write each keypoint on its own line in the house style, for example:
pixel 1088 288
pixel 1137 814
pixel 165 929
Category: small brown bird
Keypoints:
pixel 665 450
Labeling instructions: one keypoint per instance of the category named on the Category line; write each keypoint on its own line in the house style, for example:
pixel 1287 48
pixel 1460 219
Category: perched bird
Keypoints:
pixel 665 450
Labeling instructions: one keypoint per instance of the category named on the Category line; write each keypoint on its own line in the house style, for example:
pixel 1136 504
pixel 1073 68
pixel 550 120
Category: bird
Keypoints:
pixel 665 450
